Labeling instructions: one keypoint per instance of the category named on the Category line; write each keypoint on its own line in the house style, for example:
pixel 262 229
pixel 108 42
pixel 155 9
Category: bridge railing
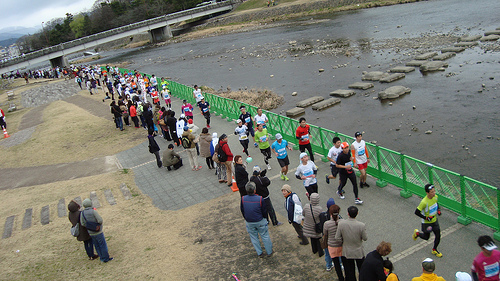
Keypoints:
pixel 472 199
pixel 118 30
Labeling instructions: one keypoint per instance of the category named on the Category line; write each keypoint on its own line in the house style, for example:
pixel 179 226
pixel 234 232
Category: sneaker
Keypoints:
pixel 327 179
pixel 278 224
pixel 415 234
pixel 282 176
pixel 329 268
pixel 361 185
pixel 286 178
pixel 341 196
pixel 208 126
pixel 110 259
pixel 366 185
pixel 358 201
pixel 436 253
pixel 255 144
pixel 307 195
pixel 261 255
pixel 269 166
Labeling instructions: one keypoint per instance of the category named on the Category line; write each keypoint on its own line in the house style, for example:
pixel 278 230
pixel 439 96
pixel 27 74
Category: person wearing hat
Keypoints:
pixel 279 148
pixel 262 138
pixel 189 141
pixel 344 164
pixel 90 215
pixel 361 158
pixel 205 110
pixel 303 134
pixel 83 234
pixel 246 118
pixel 261 184
pixel 242 132
pixel 187 109
pixel 428 210
pixel 485 266
pixel 306 171
pixel 154 148
pixel 428 267
pixel 293 208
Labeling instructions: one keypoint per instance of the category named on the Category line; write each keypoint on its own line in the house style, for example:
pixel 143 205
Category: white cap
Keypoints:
pixel 302 155
pixel 462 276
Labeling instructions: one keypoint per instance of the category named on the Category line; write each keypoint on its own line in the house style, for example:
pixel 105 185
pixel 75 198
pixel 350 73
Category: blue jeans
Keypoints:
pixel 256 228
pixel 100 246
pixel 119 122
pixel 328 259
pixel 89 247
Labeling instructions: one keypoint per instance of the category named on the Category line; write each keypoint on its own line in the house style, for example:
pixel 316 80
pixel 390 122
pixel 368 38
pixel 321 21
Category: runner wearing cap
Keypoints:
pixel 485 266
pixel 246 118
pixel 306 171
pixel 427 210
pixel 344 164
pixel 361 157
pixel 279 148
pixel 242 132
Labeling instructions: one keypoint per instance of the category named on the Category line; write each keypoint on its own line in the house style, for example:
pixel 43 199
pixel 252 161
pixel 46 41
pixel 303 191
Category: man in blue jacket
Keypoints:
pixel 254 211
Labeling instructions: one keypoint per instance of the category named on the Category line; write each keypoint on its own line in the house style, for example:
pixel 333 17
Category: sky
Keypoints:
pixel 31 13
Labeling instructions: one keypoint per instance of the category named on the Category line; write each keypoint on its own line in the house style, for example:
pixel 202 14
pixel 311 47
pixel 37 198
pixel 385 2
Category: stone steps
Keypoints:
pixel 62 210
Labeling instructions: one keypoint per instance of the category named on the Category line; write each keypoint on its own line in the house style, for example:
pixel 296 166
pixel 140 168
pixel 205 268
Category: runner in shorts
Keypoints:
pixel 333 153
pixel 361 158
pixel 279 148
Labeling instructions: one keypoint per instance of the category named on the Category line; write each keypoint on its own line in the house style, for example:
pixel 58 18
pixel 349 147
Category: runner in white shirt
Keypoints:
pixel 242 132
pixel 260 118
pixel 361 157
pixel 197 94
pixel 333 153
pixel 306 171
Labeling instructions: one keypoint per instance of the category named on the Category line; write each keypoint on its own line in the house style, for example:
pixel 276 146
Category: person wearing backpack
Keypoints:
pixel 83 234
pixel 87 216
pixel 311 218
pixel 226 156
pixel 188 142
pixel 154 148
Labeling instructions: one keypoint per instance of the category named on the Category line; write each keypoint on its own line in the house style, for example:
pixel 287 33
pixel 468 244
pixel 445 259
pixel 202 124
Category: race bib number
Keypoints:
pixel 305 137
pixel 361 152
pixel 247 120
pixel 263 138
pixel 205 109
pixel 491 270
pixel 244 137
pixel 308 173
pixel 282 152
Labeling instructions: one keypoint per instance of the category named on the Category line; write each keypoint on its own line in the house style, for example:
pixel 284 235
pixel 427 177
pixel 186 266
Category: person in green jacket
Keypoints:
pixel 262 138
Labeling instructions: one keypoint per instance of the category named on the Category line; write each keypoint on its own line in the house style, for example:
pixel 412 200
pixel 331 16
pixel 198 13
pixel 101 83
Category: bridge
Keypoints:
pixel 158 28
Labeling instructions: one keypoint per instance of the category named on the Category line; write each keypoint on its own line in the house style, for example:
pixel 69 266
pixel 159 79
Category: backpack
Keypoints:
pixel 221 155
pixel 215 156
pixel 186 142
pixel 323 217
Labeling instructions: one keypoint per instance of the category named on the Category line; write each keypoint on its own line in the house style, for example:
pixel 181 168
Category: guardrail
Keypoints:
pixel 472 199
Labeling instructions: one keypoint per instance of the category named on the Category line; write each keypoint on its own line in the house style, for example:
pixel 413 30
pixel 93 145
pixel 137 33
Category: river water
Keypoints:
pixel 460 105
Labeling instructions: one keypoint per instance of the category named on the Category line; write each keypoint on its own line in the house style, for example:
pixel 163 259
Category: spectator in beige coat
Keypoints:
pixel 311 217
pixel 205 142
pixel 353 233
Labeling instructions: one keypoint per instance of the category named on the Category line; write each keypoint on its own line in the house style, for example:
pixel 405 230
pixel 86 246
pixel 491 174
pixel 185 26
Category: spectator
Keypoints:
pixel 293 208
pixel 171 158
pixel 224 149
pixel 205 145
pixel 428 267
pixel 154 148
pixel 83 234
pixel 90 215
pixel 261 184
pixel 334 244
pixel 311 217
pixel 188 142
pixel 240 175
pixel 373 266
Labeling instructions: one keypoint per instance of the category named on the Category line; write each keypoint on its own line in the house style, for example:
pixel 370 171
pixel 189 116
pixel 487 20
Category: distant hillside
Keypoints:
pixel 9 35
pixel 7 42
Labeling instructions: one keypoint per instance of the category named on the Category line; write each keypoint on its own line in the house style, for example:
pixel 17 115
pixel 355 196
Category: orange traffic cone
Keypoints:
pixel 5 134
pixel 234 187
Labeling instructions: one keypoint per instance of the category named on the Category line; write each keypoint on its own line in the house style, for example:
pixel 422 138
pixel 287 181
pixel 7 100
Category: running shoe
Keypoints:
pixel 358 201
pixel 282 176
pixel 327 179
pixel 366 185
pixel 341 196
pixel 269 166
pixel 436 253
pixel 415 234
pixel 329 268
pixel 255 144
pixel 208 126
pixel 286 178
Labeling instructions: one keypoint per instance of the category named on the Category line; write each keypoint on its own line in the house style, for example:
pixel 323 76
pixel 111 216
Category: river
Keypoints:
pixel 460 105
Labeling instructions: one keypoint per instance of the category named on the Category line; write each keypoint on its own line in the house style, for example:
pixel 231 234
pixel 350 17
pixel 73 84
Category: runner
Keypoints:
pixel 262 137
pixel 361 158
pixel 344 164
pixel 333 153
pixel 205 110
pixel 187 109
pixel 306 171
pixel 260 118
pixel 427 210
pixel 197 94
pixel 246 118
pixel 303 135
pixel 165 93
pixel 279 148
pixel 485 266
pixel 242 132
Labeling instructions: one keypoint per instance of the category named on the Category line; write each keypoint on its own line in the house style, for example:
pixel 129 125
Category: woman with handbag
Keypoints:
pixel 334 245
pixel 311 213
pixel 83 234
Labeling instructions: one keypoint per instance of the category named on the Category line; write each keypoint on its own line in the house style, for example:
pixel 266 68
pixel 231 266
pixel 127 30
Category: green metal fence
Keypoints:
pixel 472 199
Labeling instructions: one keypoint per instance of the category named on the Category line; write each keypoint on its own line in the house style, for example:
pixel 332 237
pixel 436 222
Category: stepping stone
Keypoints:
pixel 325 104
pixel 295 111
pixel 470 38
pixel 310 101
pixel 426 56
pixel 444 56
pixel 492 37
pixel 109 197
pixel 402 69
pixel 393 92
pixel 342 93
pixel 415 62
pixel 453 49
pixel 392 78
pixel 95 200
pixel 45 215
pixel 28 215
pixel 9 225
pixel 466 44
pixel 433 66
pixel 125 191
pixel 493 32
pixel 78 200
pixel 361 85
pixel 61 208
pixel 374 76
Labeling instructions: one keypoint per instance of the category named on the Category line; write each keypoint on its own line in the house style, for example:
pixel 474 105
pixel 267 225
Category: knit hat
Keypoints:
pixel 287 188
pixel 329 203
pixel 428 265
pixel 87 203
pixel 186 128
pixel 302 155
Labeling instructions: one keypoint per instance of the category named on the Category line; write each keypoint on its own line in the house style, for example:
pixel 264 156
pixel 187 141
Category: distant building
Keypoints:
pixel 14 50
